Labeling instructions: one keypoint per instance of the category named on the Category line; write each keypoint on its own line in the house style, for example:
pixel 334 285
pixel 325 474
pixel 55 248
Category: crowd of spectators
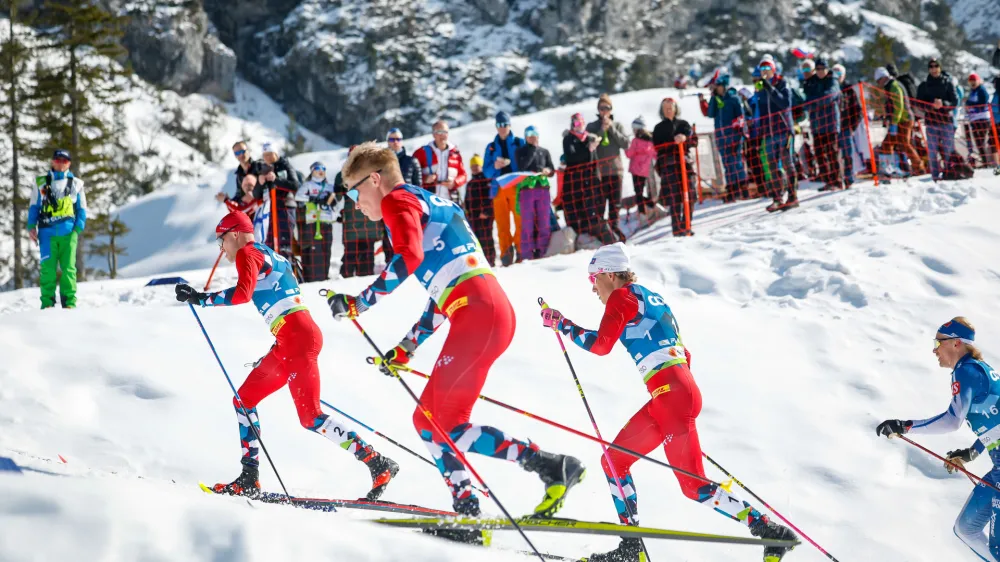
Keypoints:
pixel 768 137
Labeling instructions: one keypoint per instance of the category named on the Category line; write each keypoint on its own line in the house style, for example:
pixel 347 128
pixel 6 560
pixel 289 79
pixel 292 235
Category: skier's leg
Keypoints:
pixel 641 434
pixel 975 516
pixel 265 378
pixel 48 248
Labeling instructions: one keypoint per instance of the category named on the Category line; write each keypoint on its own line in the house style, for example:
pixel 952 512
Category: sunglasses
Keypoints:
pixel 933 66
pixel 399 139
pixel 239 153
pixel 352 191
pixel 593 278
pixel 937 342
pixel 221 238
pixel 319 169
pixel 604 108
pixel 502 125
pixel 440 132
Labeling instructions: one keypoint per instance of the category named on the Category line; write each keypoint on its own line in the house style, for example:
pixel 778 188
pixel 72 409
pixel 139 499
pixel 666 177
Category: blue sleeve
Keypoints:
pixel 781 97
pixel 33 208
pixel 489 159
pixel 968 382
pixel 712 111
pixel 429 322
pixel 80 211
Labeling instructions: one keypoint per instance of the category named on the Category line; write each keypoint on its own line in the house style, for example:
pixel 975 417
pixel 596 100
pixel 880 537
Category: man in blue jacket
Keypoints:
pixel 775 121
pixel 727 110
pixel 823 104
pixel 499 160
pixel 57 214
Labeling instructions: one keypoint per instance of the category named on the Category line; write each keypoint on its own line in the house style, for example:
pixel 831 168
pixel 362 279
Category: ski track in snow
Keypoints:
pixel 806 329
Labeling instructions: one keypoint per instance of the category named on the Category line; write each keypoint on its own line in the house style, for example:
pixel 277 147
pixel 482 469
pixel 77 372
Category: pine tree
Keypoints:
pixel 80 91
pixel 880 51
pixel 108 232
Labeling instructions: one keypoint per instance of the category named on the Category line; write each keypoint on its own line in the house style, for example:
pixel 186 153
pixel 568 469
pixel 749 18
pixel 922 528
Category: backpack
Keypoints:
pixel 909 84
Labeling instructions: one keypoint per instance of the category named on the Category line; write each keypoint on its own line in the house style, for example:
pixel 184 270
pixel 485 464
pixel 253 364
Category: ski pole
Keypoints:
pixel 557 425
pixel 768 506
pixel 448 440
pixel 239 400
pixel 382 435
pixel 593 422
pixel 972 476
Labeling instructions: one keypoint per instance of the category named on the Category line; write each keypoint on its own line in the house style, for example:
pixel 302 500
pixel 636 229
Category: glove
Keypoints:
pixel 893 129
pixel 400 354
pixel 342 306
pixel 551 318
pixel 889 428
pixel 960 457
pixel 187 293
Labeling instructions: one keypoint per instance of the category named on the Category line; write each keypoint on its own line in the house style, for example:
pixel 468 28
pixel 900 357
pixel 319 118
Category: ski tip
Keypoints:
pixel 204 488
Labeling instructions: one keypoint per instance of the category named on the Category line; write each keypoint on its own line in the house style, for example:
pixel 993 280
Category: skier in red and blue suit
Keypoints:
pixel 434 243
pixel 266 278
pixel 643 322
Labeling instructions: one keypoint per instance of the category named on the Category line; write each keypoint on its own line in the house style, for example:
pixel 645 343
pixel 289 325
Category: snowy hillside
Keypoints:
pixel 806 329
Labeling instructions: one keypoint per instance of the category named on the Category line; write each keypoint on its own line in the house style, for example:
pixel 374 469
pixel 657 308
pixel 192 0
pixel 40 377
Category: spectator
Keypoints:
pixel 614 139
pixel 640 154
pixel 977 108
pixel 996 59
pixel 751 154
pixel 315 223
pixel 441 167
pixel 823 98
pixel 672 168
pixel 479 208
pixel 500 159
pixel 534 198
pixel 579 148
pixel 939 100
pixel 898 113
pixel 245 165
pixel 775 124
pixel 850 118
pixel 907 81
pixel 360 234
pixel 282 178
pixel 726 109
pixel 57 215
pixel 246 203
pixel 412 175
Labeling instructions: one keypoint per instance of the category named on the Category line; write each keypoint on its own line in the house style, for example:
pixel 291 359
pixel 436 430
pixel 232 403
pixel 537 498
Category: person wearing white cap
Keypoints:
pixel 286 183
pixel 645 325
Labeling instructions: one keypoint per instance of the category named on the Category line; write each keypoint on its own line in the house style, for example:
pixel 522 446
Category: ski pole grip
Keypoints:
pixel 324 292
pixel 541 303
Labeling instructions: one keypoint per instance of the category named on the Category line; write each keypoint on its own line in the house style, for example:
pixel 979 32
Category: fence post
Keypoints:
pixel 996 139
pixel 212 274
pixel 697 156
pixel 868 131
pixel 684 190
pixel 274 220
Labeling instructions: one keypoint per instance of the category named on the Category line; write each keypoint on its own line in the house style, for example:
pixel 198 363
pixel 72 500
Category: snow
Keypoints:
pixel 806 329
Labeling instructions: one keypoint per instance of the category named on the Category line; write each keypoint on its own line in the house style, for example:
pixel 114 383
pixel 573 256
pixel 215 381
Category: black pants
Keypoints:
pixel 611 194
pixel 828 157
pixel 316 251
pixel 579 199
pixel 483 229
pixel 639 183
pixel 359 258
pixel 672 196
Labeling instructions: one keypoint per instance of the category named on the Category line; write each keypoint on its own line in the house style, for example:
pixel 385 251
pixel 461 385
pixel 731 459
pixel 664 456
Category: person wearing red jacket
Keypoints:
pixel 645 325
pixel 266 279
pixel 441 165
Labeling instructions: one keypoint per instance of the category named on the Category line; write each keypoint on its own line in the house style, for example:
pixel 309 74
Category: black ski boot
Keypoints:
pixel 629 550
pixel 468 507
pixel 382 468
pixel 559 473
pixel 246 485
pixel 766 529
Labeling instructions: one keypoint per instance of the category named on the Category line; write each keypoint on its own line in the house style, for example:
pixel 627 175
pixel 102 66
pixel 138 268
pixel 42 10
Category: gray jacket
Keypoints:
pixel 612 144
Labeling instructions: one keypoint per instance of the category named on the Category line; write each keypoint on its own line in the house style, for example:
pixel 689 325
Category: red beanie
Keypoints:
pixel 236 221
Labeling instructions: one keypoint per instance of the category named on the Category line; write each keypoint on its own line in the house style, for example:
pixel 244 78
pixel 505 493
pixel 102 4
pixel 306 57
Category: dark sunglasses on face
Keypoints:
pixel 239 153
pixel 440 132
pixel 934 66
pixel 604 108
pixel 352 191
pixel 502 125
pixel 395 139
pixel 319 169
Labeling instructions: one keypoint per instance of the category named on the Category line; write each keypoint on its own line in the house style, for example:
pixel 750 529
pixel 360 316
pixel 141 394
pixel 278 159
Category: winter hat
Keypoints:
pixel 612 258
pixel 604 99
pixel 394 130
pixel 503 118
pixel 61 154
pixel 955 329
pixel 577 117
pixel 765 64
pixel 891 69
pixel 767 57
pixel 881 73
pixel 530 131
pixel 808 64
pixel 639 123
pixel 722 81
pixel 821 62
pixel 932 62
pixel 974 77
pixel 746 93
pixel 236 221
pixel 268 147
pixel 476 160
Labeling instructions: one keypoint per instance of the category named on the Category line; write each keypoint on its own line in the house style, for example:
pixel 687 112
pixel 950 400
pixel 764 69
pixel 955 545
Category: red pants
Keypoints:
pixel 667 418
pixel 481 331
pixel 291 360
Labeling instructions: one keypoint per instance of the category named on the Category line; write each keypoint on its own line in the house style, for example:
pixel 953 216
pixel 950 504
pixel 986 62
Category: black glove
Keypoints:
pixel 342 306
pixel 187 293
pixel 400 354
pixel 960 457
pixel 889 428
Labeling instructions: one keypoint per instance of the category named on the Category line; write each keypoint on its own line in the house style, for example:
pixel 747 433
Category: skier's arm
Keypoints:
pixel 34 207
pixel 622 306
pixel 248 264
pixel 401 213
pixel 80 207
pixel 967 381
pixel 429 322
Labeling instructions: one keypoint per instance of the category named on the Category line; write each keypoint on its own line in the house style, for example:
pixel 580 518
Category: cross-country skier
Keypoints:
pixel 266 278
pixel 646 327
pixel 433 243
pixel 975 399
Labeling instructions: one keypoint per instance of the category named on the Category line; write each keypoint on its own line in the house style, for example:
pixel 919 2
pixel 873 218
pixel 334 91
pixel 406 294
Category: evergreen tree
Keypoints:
pixel 880 51
pixel 107 233
pixel 79 92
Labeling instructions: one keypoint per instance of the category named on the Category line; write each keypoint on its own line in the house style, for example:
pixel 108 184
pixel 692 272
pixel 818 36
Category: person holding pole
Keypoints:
pixel 975 399
pixel 643 322
pixel 266 278
pixel 435 244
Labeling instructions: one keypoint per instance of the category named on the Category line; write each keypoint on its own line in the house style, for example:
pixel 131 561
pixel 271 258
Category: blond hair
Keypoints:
pixel 369 157
pixel 969 348
pixel 628 276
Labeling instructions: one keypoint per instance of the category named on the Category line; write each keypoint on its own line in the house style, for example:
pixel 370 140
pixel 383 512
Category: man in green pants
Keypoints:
pixel 56 216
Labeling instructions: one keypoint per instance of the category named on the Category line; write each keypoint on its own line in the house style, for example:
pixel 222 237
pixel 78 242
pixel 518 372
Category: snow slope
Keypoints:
pixel 806 329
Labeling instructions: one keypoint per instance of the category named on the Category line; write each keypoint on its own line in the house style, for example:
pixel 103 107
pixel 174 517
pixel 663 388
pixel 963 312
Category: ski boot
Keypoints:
pixel 246 485
pixel 629 550
pixel 468 507
pixel 382 468
pixel 559 473
pixel 792 203
pixel 766 529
